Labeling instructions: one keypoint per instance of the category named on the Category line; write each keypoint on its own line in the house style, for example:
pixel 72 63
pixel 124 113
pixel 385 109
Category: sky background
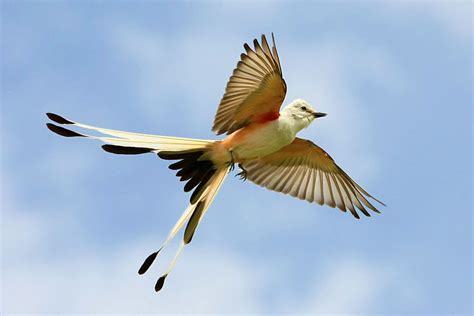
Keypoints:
pixel 76 222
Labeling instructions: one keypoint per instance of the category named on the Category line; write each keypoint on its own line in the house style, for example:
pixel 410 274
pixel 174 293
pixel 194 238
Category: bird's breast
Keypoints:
pixel 258 140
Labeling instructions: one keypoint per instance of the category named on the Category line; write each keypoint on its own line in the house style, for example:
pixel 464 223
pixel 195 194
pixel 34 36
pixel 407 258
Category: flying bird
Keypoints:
pixel 261 140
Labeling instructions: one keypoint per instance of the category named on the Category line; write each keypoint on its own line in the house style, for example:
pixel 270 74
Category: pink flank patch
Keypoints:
pixel 267 117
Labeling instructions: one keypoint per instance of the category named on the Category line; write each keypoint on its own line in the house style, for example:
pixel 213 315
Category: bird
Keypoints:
pixel 261 138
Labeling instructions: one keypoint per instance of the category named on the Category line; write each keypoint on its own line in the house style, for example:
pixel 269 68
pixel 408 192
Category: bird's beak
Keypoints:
pixel 319 114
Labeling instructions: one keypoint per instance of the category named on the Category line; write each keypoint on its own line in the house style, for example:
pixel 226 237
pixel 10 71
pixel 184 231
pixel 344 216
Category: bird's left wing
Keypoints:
pixel 304 170
pixel 255 90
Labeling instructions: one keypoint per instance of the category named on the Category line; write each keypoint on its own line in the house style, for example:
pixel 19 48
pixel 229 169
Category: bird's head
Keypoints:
pixel 301 113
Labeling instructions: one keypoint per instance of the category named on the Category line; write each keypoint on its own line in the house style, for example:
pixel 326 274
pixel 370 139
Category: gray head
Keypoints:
pixel 302 113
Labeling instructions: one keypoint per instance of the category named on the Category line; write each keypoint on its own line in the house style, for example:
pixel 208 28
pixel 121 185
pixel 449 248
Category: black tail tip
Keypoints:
pixel 124 150
pixel 148 262
pixel 161 281
pixel 58 119
pixel 63 131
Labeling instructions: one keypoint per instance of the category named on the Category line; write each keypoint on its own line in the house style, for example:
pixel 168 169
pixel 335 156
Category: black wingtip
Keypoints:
pixel 58 119
pixel 255 43
pixel 63 131
pixel 148 262
pixel 124 150
pixel 161 281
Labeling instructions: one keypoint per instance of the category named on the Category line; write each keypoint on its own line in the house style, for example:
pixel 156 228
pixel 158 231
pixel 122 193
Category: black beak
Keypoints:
pixel 319 114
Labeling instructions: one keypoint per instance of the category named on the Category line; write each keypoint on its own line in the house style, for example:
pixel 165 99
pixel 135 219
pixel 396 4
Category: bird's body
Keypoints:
pixel 265 136
pixel 258 140
pixel 261 139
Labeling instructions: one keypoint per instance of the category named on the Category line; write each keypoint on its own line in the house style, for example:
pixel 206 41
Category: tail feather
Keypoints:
pixel 125 150
pixel 193 222
pixel 63 131
pixel 210 193
pixel 198 191
pixel 193 214
pixel 191 168
pixel 208 196
pixel 200 174
pixel 155 143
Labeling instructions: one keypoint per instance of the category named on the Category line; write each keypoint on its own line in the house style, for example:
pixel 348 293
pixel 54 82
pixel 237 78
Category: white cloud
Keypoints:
pixel 205 280
pixel 176 77
pixel 455 17
pixel 146 53
pixel 326 74
pixel 350 285
pixel 104 279
pixel 208 278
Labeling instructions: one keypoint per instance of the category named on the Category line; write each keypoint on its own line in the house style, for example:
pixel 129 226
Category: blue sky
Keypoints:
pixel 395 79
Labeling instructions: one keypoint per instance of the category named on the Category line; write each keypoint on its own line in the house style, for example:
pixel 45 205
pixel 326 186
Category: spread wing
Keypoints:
pixel 304 170
pixel 256 89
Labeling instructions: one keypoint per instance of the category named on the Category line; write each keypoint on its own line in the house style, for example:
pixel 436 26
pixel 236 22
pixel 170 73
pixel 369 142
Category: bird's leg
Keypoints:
pixel 242 174
pixel 232 162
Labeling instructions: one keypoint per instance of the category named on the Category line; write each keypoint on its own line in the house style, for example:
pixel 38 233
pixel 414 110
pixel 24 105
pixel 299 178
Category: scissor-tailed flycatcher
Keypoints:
pixel 261 140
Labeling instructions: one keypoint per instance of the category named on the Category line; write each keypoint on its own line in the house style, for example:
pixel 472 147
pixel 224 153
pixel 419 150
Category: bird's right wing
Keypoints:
pixel 255 90
pixel 304 170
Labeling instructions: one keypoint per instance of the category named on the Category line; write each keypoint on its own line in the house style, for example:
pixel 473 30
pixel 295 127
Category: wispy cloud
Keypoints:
pixel 175 77
pixel 165 71
pixel 70 242
pixel 327 74
pixel 208 279
pixel 101 282
pixel 454 17
pixel 351 285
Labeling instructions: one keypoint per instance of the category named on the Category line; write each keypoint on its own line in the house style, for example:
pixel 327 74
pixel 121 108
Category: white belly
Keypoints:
pixel 264 140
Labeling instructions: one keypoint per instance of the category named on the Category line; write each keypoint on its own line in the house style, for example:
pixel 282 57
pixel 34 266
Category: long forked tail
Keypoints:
pixel 202 176
pixel 193 216
pixel 127 143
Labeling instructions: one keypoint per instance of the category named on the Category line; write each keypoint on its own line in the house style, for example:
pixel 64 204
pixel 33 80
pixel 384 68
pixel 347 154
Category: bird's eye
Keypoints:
pixel 303 108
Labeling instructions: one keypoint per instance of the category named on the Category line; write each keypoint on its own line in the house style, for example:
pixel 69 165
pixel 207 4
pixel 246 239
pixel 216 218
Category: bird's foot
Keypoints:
pixel 242 174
